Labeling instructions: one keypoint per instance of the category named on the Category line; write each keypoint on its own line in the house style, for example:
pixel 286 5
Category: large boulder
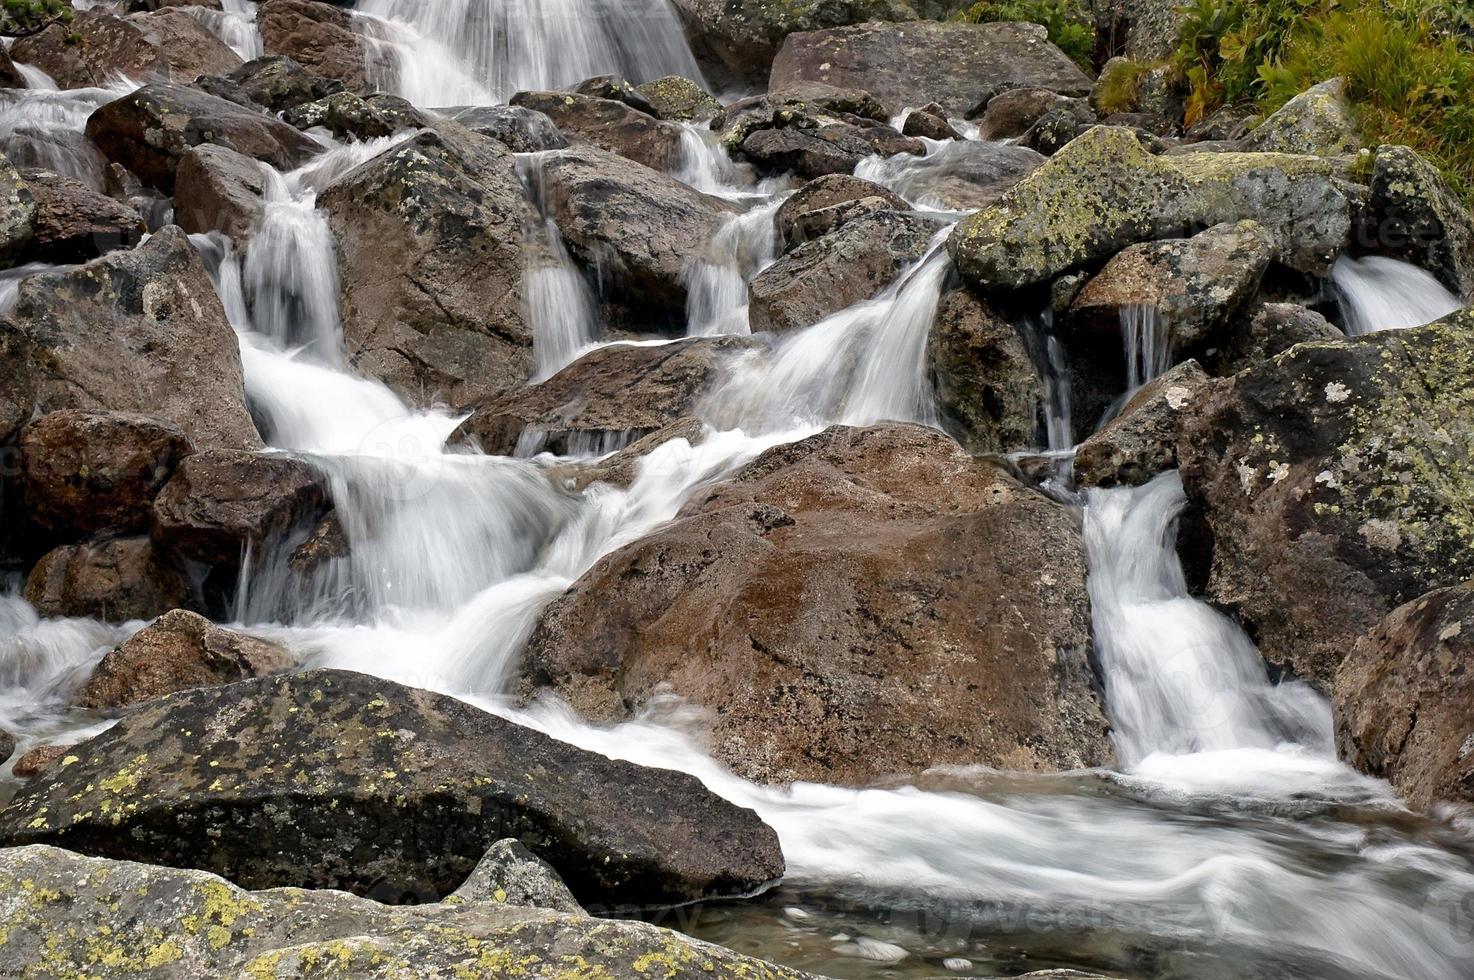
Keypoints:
pixel 182 650
pixel 91 50
pixel 1349 465
pixel 354 117
pixel 151 129
pixel 988 389
pixel 638 227
pixel 610 125
pixel 834 272
pixel 17 212
pixel 736 40
pixel 86 471
pixel 1195 287
pixel 68 915
pixel 366 786
pixel 955 629
pixel 115 579
pixel 520 130
pixel 317 36
pixel 136 331
pixel 218 189
pixel 1404 699
pixel 74 223
pixel 1318 121
pixel 796 217
pixel 189 48
pixel 614 392
pixel 1141 440
pixel 679 99
pixel 278 83
pixel 957 65
pixel 1012 113
pixel 1105 191
pixel 808 147
pixel 222 502
pixel 1412 214
pixel 432 244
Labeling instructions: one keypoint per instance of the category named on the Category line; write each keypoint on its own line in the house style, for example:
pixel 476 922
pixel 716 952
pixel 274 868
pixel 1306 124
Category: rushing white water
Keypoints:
pixel 235 24
pixel 463 52
pixel 716 282
pixel 1386 294
pixel 1144 335
pixel 291 276
pixel 41 126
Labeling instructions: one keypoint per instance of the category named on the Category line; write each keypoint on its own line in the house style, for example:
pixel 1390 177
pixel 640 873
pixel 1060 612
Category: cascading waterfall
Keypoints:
pixel 716 296
pixel 1145 337
pixel 455 52
pixel 1379 293
pixel 41 126
pixel 234 23
pixel 561 307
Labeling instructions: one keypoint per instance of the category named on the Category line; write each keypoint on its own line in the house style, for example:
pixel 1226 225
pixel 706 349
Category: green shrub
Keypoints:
pixel 1070 26
pixel 29 16
pixel 1119 85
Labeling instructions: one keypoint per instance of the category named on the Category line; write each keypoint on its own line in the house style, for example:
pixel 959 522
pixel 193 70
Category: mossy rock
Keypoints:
pixel 1318 121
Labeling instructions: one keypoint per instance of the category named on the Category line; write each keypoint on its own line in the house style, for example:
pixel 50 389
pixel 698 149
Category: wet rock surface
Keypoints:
pixel 826 655
pixel 1141 441
pixel 116 580
pixel 319 37
pixel 610 125
pixel 366 786
pixel 987 387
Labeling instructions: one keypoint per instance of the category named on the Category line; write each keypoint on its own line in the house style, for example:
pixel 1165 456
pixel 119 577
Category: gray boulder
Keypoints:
pixel 1141 440
pixel 610 125
pixel 218 189
pixel 987 387
pixel 1412 214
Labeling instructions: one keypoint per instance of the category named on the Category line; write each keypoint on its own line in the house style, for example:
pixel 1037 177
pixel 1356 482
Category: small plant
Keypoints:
pixel 1119 86
pixel 1068 22
pixel 20 18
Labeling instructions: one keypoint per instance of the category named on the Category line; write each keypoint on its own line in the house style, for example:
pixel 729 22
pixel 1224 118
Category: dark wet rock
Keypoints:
pixel 616 88
pixel 85 471
pixel 987 387
pixel 736 40
pixel 615 391
pixel 1271 329
pixel 610 125
pixel 7 746
pixel 432 245
pixel 352 117
pixel 816 151
pixel 1318 121
pixel 116 580
pixel 1140 442
pixel 1012 113
pixel 967 175
pixel 74 223
pixel 38 760
pixel 17 212
pixel 510 874
pixel 831 273
pixel 140 919
pixel 370 787
pixel 278 83
pixel 1055 130
pixel 179 652
pixel 637 226
pixel 319 37
pixel 218 189
pixel 958 65
pixel 1404 699
pixel 796 216
pixel 955 629
pixel 929 122
pixel 136 331
pixel 1413 215
pixel 221 502
pixel 189 48
pixel 807 106
pixel 1105 192
pixel 1195 287
pixel 90 50
pixel 150 130
pixel 679 100
pixel 520 130
pixel 10 76
pixel 1347 465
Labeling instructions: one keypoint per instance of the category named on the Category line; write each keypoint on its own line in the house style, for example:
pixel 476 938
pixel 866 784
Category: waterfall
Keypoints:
pixel 1378 293
pixel 1145 338
pixel 561 308
pixel 41 126
pixel 716 282
pixel 1179 676
pixel 453 52
pixel 234 24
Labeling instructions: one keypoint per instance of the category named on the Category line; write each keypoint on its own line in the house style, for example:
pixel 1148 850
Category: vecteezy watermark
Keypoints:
pixel 1446 917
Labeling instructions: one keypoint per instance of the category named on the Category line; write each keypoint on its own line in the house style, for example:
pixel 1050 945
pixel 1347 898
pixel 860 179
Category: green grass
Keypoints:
pixel 1409 65
pixel 1070 26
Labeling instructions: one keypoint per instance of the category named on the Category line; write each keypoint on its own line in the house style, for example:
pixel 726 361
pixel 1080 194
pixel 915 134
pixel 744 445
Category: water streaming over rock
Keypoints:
pixel 1378 293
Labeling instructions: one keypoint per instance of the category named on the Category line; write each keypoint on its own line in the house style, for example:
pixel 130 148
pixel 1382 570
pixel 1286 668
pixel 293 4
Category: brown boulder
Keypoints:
pixel 1013 113
pixel 1141 441
pixel 988 390
pixel 823 193
pixel 74 223
pixel 182 650
pixel 954 630
pixel 432 244
pixel 38 760
pixel 189 48
pixel 1404 699
pixel 151 129
pixel 221 502
pixel 319 37
pixel 115 580
pixel 90 50
pixel 218 189
pixel 85 472
pixel 832 273
pixel 617 391
pixel 135 331
pixel 610 125
pixel 957 65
